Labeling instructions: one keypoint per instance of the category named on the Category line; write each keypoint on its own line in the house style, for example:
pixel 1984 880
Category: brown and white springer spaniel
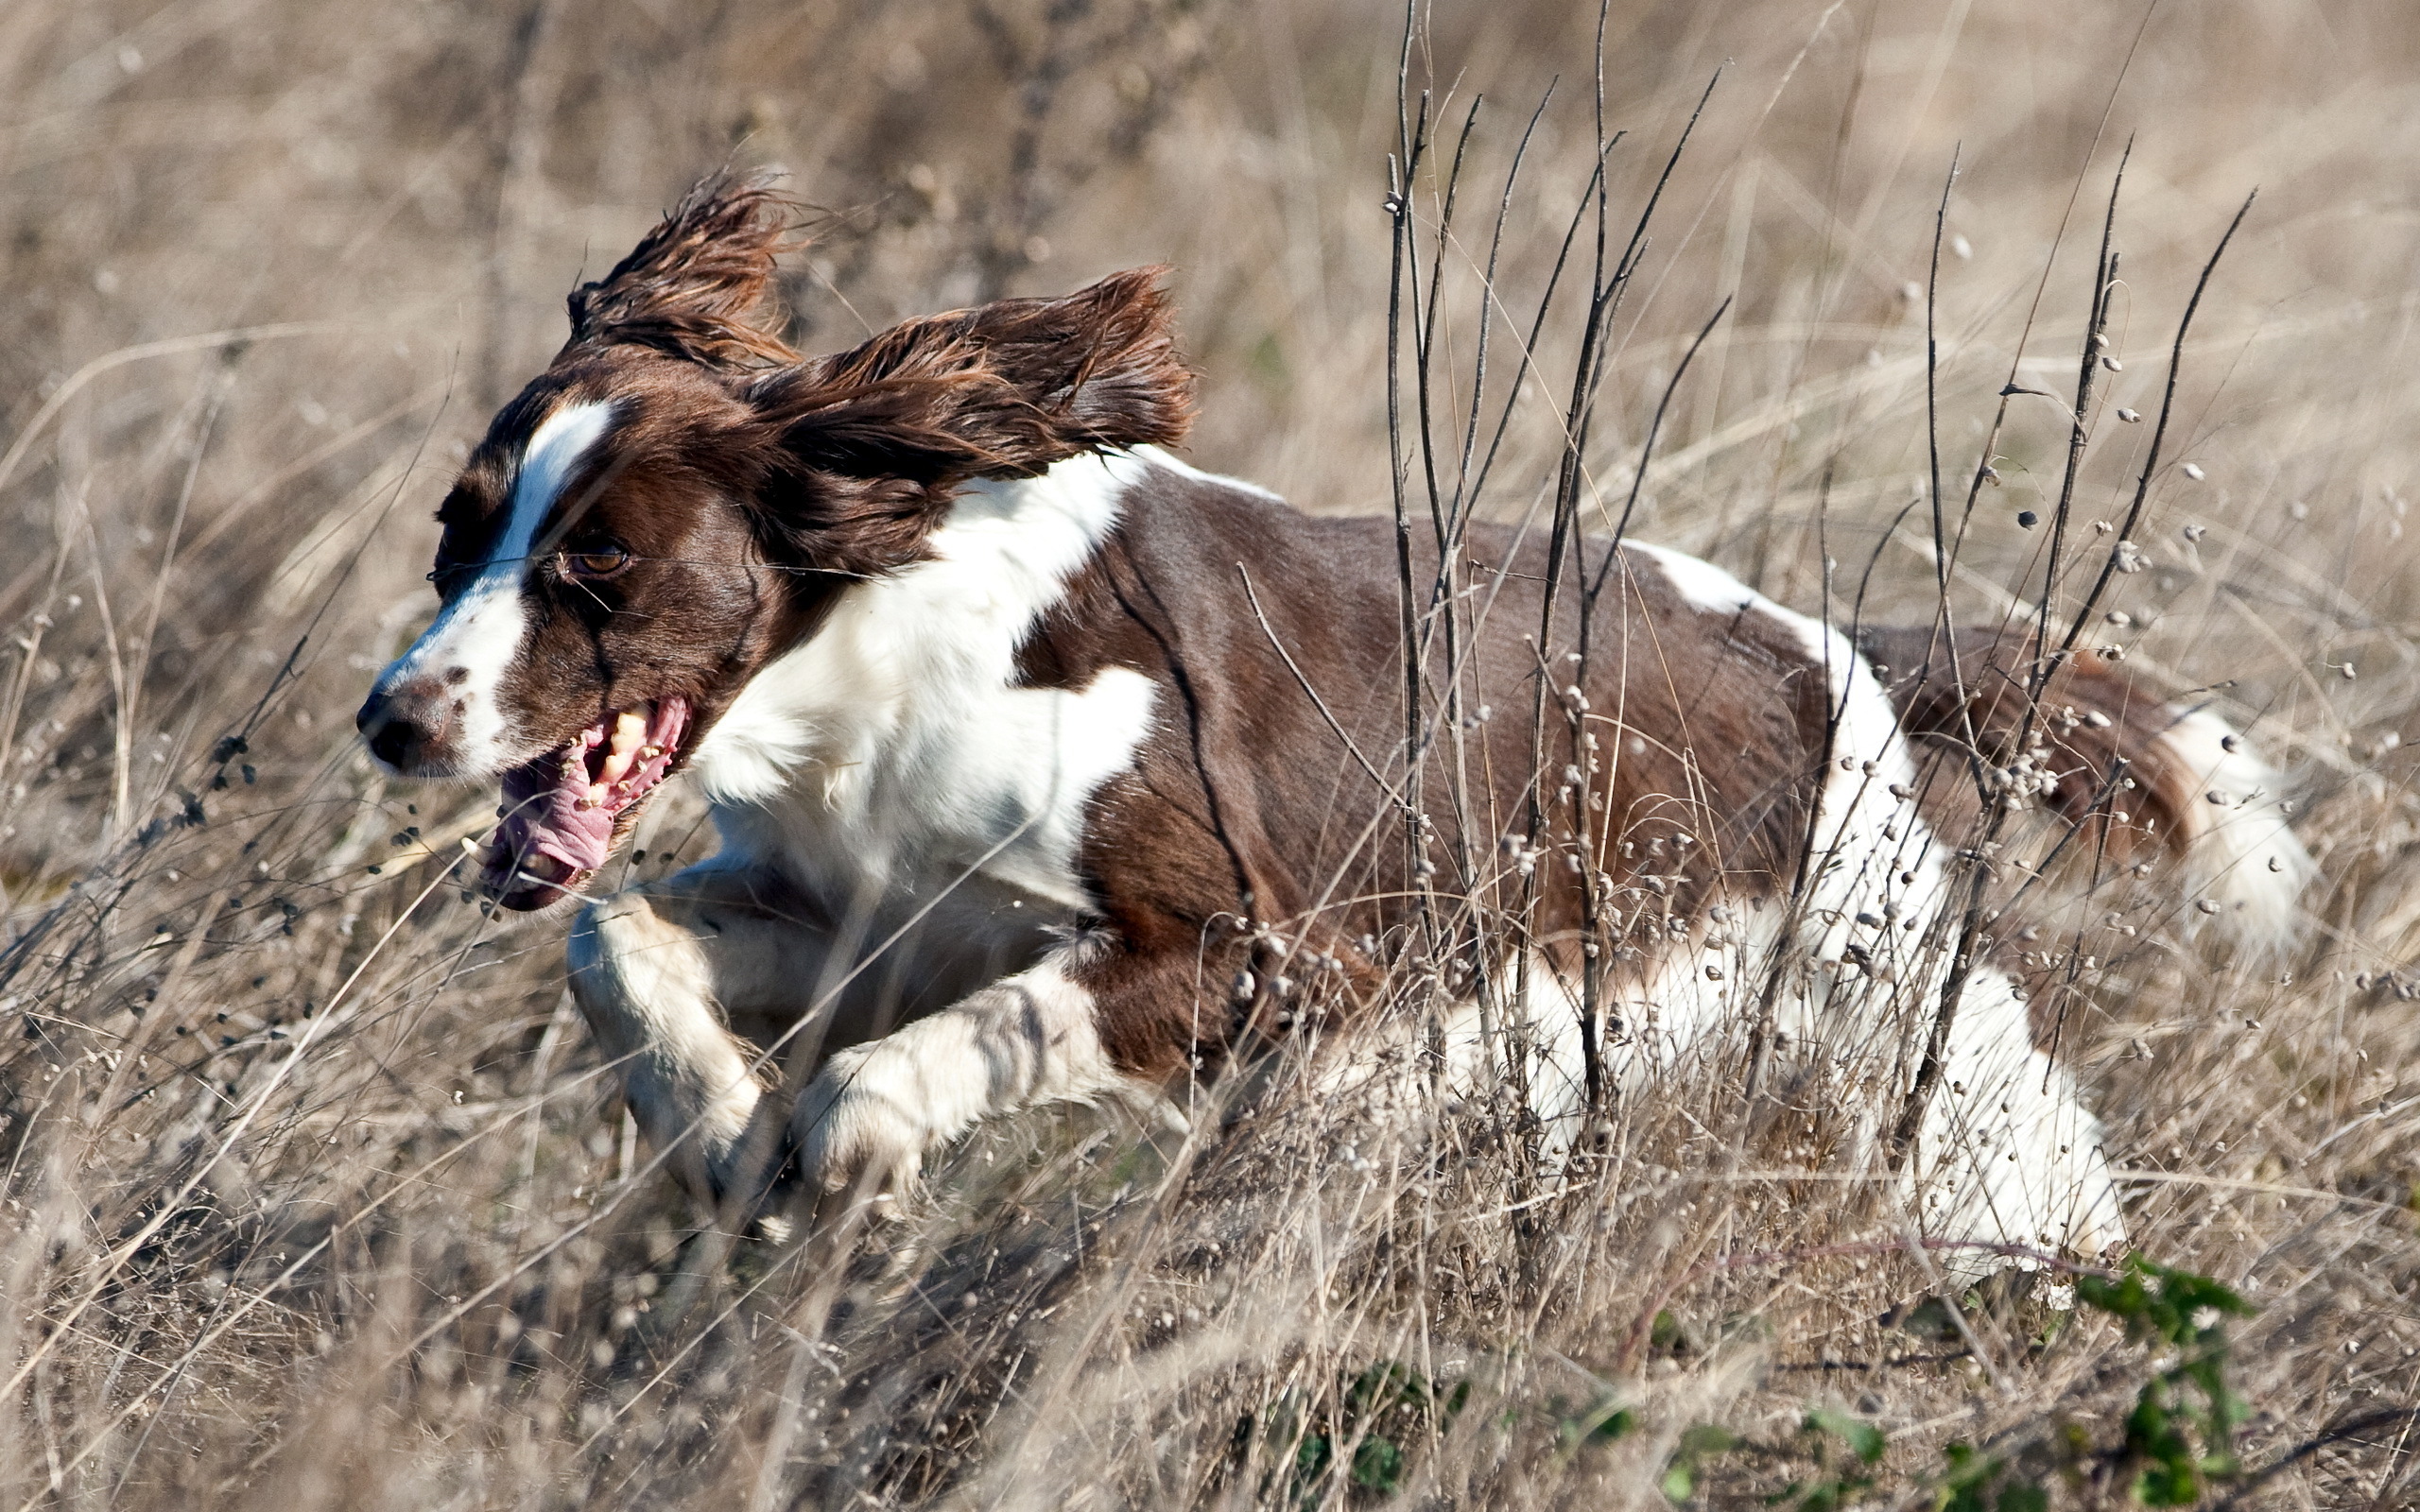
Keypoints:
pixel 1091 766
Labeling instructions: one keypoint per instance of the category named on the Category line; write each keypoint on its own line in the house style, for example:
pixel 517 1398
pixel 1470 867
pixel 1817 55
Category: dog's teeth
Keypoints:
pixel 630 733
pixel 650 753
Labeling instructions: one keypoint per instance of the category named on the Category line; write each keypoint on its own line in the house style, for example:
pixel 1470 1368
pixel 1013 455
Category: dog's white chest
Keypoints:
pixel 895 752
pixel 989 796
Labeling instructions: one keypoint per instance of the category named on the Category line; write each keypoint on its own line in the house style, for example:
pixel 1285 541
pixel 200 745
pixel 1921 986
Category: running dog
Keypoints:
pixel 1048 767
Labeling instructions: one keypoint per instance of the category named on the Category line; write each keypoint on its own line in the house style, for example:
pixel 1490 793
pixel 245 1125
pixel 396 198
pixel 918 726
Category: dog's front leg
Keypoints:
pixel 657 968
pixel 876 1109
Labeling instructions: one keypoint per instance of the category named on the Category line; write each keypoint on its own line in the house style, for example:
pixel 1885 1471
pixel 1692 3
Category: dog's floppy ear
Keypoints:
pixel 1001 390
pixel 864 448
pixel 691 285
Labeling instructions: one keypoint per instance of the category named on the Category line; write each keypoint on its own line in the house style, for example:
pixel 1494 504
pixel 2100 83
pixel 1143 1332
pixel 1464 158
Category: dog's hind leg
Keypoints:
pixel 2007 1150
pixel 659 969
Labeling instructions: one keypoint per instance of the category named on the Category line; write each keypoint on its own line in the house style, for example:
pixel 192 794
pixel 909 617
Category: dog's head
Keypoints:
pixel 680 497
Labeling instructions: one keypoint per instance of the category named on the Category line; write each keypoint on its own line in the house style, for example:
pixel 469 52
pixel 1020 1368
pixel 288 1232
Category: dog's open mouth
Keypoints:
pixel 562 812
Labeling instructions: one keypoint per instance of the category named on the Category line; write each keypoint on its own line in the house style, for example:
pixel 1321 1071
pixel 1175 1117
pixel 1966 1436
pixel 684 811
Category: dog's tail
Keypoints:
pixel 2133 769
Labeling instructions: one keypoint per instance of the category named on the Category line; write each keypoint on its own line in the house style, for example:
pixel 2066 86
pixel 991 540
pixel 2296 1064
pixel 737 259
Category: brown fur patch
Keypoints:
pixel 691 287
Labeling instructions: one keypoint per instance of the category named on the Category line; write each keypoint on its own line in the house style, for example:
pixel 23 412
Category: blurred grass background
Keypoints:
pixel 316 1195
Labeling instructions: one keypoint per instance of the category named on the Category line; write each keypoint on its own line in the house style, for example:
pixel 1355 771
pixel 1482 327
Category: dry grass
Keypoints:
pixel 315 1192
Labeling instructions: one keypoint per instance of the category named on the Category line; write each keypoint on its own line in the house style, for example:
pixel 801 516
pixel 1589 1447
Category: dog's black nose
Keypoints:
pixel 401 724
pixel 390 740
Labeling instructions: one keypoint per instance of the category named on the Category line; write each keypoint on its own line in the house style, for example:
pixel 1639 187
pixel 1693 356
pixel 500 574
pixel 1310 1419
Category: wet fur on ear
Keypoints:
pixel 690 287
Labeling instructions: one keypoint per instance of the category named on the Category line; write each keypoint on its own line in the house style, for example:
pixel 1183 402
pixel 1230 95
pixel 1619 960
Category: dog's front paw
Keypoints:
pixel 857 1122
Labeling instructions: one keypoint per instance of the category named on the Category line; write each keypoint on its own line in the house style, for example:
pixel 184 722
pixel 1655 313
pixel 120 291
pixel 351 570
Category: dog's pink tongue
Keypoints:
pixel 543 815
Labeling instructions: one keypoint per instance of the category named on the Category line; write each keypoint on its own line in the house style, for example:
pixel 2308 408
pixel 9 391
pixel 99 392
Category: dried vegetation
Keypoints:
pixel 315 1192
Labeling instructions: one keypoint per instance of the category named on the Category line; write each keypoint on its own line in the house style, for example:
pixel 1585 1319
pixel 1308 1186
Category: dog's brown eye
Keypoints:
pixel 596 561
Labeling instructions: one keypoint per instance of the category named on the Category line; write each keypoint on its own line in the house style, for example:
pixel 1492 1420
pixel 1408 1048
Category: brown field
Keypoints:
pixel 315 1192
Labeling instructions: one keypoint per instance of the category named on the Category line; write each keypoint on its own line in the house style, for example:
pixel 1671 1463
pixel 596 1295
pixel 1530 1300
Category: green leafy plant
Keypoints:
pixel 2179 1438
pixel 1971 1478
pixel 1829 1491
pixel 1365 1435
pixel 1834 1482
pixel 1602 1422
pixel 1697 1446
pixel 2181 1430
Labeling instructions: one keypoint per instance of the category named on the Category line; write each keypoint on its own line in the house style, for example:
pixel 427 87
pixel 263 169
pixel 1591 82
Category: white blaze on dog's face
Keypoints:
pixel 464 657
pixel 606 589
pixel 679 498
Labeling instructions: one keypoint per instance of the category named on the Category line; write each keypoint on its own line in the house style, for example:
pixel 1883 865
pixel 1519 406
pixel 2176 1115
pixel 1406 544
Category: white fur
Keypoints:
pixel 1866 836
pixel 1699 582
pixel 1025 1041
pixel 655 979
pixel 893 747
pixel 1186 469
pixel 1678 1017
pixel 892 753
pixel 2006 1151
pixel 2243 857
pixel 480 631
pixel 890 760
